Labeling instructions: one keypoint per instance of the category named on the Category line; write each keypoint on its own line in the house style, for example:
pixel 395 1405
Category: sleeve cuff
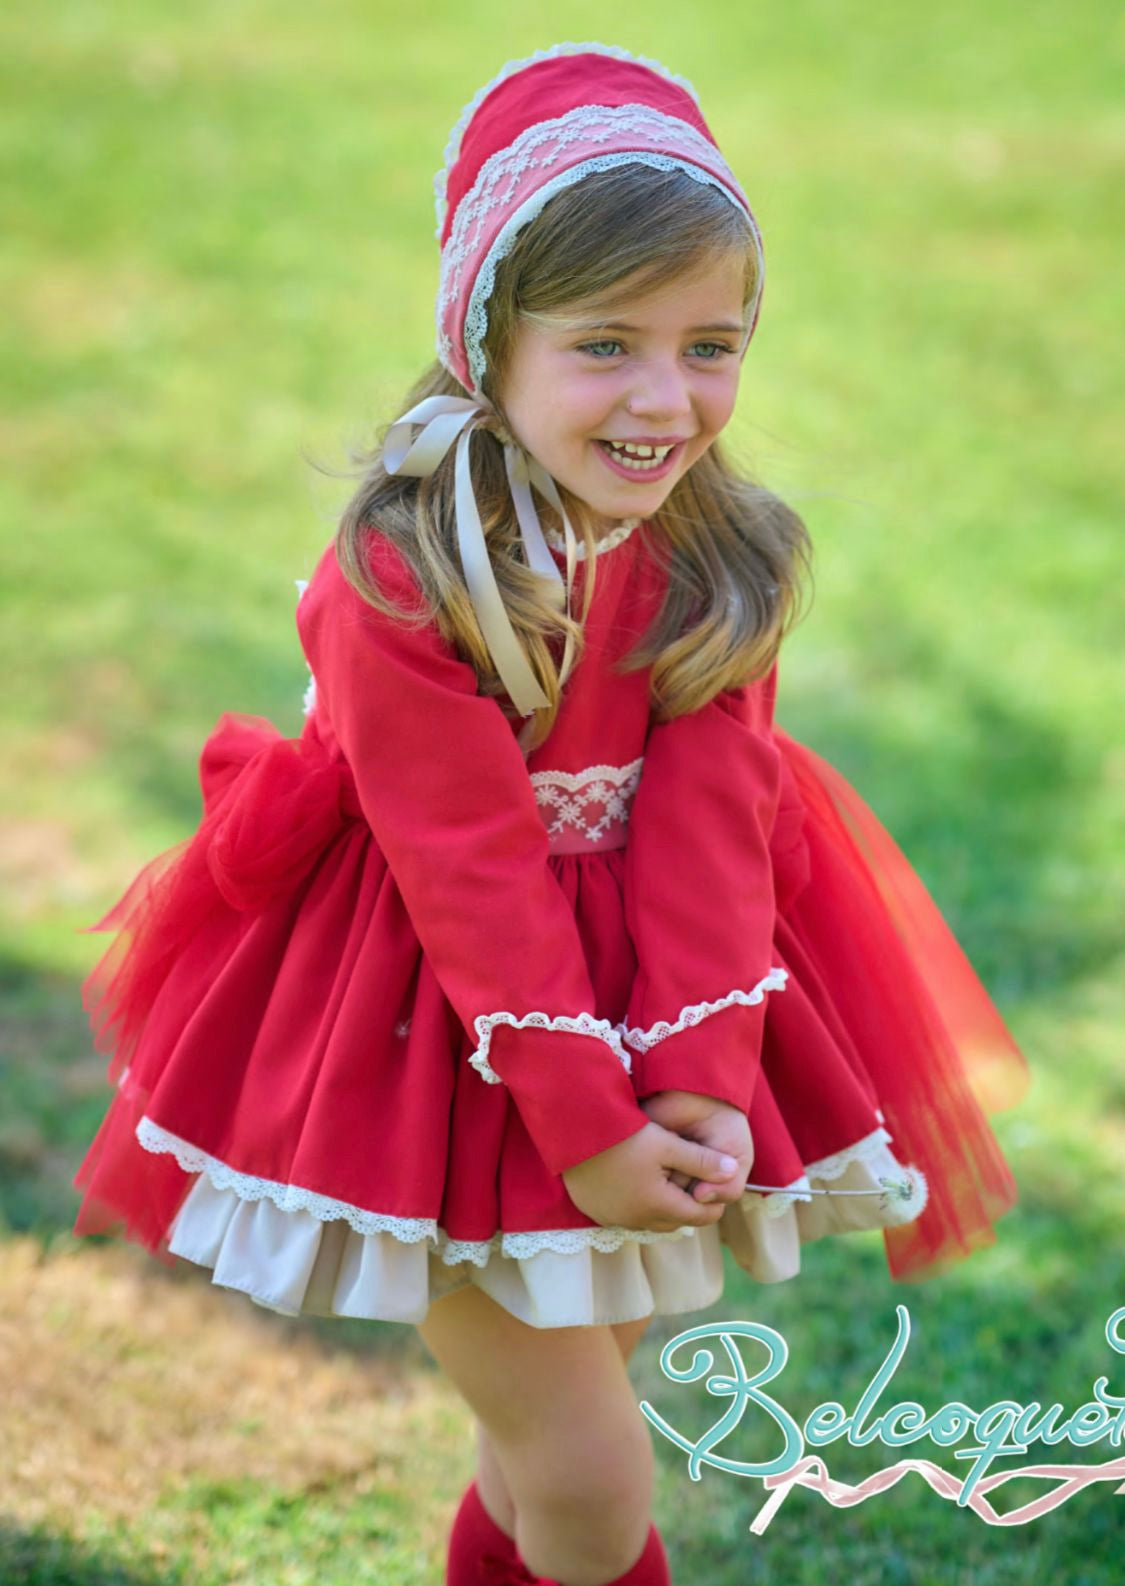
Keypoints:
pixel 569 1078
pixel 579 1024
pixel 711 1049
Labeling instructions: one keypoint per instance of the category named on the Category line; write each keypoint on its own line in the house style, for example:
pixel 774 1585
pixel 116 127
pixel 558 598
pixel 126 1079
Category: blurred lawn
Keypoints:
pixel 217 256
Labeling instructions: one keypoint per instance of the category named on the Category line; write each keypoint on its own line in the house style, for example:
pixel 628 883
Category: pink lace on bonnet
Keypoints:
pixel 540 125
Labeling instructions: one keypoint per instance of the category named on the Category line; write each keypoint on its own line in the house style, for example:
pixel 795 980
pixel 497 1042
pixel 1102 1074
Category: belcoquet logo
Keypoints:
pixel 1000 1429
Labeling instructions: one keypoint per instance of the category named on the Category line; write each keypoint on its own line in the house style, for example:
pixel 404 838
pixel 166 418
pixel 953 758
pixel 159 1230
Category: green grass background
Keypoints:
pixel 217 258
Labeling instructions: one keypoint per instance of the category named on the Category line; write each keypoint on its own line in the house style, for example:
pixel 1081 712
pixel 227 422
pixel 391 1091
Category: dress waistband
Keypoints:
pixel 587 811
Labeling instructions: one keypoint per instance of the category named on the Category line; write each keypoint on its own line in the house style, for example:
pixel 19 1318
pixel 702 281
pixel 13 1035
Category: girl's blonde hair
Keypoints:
pixel 735 553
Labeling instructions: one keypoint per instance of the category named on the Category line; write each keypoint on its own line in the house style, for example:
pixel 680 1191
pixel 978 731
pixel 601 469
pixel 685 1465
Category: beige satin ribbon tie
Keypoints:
pixel 442 421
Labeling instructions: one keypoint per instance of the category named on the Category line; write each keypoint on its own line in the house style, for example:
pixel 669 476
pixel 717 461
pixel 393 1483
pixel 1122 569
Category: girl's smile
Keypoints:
pixel 618 412
pixel 650 460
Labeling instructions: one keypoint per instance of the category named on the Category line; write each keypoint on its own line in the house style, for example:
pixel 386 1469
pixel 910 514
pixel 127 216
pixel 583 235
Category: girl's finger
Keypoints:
pixel 693 1213
pixel 700 1161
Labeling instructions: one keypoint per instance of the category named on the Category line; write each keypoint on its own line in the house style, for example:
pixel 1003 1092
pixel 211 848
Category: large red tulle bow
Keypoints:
pixel 277 801
pixel 270 806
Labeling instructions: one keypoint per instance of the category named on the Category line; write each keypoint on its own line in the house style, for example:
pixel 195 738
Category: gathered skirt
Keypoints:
pixel 293 1107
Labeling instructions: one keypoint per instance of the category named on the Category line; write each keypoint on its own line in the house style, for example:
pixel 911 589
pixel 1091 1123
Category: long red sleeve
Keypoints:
pixel 445 788
pixel 699 897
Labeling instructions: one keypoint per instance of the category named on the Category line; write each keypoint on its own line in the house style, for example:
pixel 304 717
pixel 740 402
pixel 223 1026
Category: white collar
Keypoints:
pixel 607 542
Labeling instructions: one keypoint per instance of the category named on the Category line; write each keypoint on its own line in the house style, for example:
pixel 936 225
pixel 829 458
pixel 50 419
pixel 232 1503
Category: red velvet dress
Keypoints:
pixel 403 976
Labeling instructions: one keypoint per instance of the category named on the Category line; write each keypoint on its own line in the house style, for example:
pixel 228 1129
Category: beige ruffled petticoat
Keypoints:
pixel 298 1253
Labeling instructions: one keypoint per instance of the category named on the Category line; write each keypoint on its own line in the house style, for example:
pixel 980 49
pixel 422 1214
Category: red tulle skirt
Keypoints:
pixel 929 1036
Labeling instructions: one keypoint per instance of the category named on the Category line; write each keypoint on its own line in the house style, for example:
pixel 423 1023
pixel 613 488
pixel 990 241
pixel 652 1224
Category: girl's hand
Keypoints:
pixel 630 1184
pixel 710 1122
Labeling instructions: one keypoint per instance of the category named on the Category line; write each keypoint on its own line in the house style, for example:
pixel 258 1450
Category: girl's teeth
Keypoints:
pixel 638 457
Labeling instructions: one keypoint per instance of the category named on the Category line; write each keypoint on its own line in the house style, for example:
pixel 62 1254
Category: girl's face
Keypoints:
pixel 660 371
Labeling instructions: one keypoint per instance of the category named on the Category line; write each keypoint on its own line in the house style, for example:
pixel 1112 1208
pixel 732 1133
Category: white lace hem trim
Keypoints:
pixel 286 1197
pixel 581 1024
pixel 642 1040
pixel 408 1230
pixel 907 1185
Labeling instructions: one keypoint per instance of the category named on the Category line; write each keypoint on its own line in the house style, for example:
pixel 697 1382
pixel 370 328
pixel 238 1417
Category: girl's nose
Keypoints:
pixel 660 393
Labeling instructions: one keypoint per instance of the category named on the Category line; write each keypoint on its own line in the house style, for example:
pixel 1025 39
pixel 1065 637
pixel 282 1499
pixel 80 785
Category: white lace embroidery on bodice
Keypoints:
pixel 588 809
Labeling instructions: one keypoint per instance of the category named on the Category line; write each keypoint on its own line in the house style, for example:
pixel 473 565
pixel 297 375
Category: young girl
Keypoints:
pixel 543 963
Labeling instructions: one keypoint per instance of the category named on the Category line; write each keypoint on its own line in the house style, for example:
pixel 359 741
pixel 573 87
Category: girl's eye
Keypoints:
pixel 719 349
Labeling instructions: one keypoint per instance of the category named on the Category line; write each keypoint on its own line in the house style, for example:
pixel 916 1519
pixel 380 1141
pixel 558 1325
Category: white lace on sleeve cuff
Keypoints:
pixel 581 1024
pixel 641 1040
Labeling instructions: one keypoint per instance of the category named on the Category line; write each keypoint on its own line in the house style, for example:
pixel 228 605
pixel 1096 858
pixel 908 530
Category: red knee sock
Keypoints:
pixel 480 1553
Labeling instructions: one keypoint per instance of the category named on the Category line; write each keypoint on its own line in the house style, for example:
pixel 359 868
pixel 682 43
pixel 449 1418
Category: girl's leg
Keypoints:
pixel 561 1418
pixel 491 1485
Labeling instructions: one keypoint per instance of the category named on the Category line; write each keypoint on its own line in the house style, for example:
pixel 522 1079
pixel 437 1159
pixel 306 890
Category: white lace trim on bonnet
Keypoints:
pixel 541 146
